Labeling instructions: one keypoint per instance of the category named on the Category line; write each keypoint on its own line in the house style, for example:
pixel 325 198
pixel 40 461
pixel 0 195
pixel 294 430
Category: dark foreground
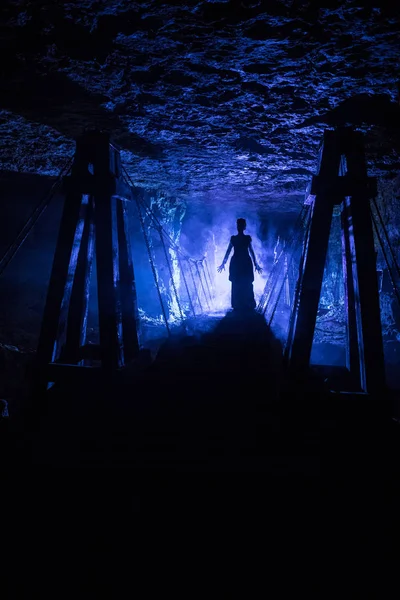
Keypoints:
pixel 323 492
pixel 217 402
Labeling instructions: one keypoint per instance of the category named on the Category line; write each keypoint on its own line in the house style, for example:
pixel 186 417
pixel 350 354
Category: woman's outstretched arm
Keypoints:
pixel 227 253
pixel 253 256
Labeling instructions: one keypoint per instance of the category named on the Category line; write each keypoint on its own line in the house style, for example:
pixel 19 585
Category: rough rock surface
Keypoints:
pixel 206 98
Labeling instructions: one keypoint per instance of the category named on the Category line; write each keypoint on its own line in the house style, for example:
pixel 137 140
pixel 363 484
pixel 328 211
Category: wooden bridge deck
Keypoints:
pixel 214 402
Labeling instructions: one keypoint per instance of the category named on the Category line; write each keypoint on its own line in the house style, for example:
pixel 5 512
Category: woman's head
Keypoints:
pixel 241 225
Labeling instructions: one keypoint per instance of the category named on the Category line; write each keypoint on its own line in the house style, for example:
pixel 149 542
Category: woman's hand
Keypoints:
pixel 221 268
pixel 258 269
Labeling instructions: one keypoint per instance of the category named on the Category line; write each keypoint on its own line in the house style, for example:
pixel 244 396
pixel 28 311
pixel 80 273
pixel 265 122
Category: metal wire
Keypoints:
pixel 275 273
pixel 157 222
pixel 201 283
pixel 153 268
pixel 293 246
pixel 277 300
pixel 297 290
pixel 386 236
pixel 172 244
pixel 207 284
pixel 395 289
pixel 194 284
pixel 33 219
pixel 209 277
pixel 171 275
pixel 186 285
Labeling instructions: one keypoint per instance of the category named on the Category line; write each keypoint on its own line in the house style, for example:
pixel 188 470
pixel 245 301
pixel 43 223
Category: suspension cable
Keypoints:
pixel 189 260
pixel 271 291
pixel 209 277
pixel 201 283
pixel 267 286
pixel 277 300
pixel 386 236
pixel 157 225
pixel 33 219
pixel 180 254
pixel 280 267
pixel 172 243
pixel 296 296
pixel 171 275
pixel 205 279
pixel 274 274
pixel 265 292
pixel 395 289
pixel 156 220
pixel 153 268
pixel 186 284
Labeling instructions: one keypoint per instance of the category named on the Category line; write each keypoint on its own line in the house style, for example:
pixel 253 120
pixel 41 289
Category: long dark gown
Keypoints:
pixel 241 274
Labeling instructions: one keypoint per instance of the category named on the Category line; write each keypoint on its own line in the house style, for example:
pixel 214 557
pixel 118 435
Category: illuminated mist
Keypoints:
pixel 207 231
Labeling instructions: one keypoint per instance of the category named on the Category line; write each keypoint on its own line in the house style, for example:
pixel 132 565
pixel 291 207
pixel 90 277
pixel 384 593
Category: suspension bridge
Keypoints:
pixel 197 288
pixel 95 222
pixel 208 389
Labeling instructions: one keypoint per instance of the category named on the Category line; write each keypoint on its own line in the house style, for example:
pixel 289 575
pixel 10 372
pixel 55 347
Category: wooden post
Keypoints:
pixel 300 351
pixel 107 281
pixel 372 365
pixel 296 295
pixel 47 346
pixel 127 287
pixel 93 217
pixel 79 303
pixel 352 307
pixel 341 181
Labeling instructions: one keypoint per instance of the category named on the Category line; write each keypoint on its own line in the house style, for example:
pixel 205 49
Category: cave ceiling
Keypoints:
pixel 207 99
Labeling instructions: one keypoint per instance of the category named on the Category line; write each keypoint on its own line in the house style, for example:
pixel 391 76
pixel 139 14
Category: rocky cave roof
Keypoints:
pixel 207 99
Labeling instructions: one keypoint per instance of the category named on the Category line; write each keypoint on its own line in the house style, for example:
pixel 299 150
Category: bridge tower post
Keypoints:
pixel 342 180
pixel 93 224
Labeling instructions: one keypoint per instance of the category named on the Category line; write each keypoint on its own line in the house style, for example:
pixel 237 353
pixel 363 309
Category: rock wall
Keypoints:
pixel 206 98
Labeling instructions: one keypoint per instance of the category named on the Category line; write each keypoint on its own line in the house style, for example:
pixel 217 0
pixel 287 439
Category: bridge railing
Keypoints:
pixel 194 293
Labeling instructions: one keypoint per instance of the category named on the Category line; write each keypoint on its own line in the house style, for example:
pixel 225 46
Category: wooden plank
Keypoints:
pixel 339 186
pixel 71 373
pixel 106 283
pixel 60 274
pixel 107 268
pixel 79 303
pixel 127 288
pixel 63 319
pixel 364 272
pixel 352 308
pixel 88 184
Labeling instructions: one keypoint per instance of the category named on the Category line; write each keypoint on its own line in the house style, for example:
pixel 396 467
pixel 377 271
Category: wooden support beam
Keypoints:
pixel 299 351
pixel 94 220
pixel 364 270
pixel 127 288
pixel 352 308
pixel 107 278
pixel 72 373
pixel 79 302
pixel 60 273
pixel 88 184
pixel 339 187
pixel 343 180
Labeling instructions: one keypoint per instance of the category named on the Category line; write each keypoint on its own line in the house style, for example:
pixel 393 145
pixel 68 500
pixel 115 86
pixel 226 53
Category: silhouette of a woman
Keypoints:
pixel 241 268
